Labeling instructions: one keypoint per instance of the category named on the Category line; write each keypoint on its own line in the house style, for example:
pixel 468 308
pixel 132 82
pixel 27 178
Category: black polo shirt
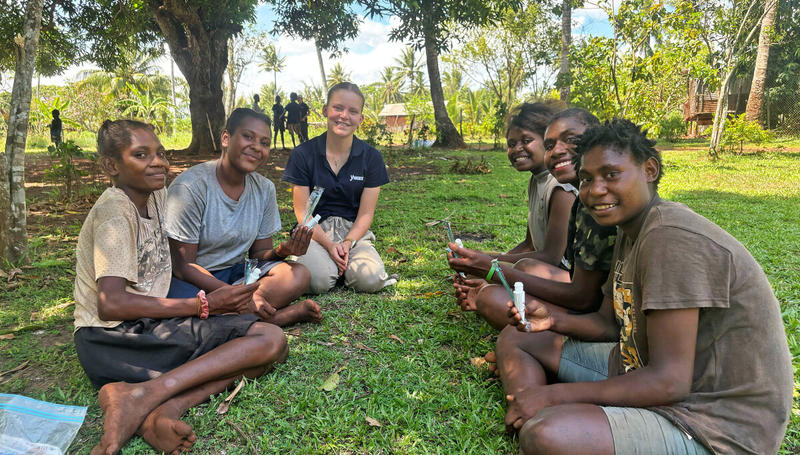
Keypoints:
pixel 293 112
pixel 364 168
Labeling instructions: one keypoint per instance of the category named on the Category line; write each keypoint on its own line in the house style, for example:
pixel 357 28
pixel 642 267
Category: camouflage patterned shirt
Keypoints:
pixel 589 245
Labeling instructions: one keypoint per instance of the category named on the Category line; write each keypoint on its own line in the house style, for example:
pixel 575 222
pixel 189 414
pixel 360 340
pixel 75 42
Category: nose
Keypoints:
pixel 161 160
pixel 596 187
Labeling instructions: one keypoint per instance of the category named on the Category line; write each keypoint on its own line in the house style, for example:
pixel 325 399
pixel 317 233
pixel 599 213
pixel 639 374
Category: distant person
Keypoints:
pixel 256 107
pixel 304 109
pixel 55 128
pixel 293 118
pixel 279 117
pixel 352 173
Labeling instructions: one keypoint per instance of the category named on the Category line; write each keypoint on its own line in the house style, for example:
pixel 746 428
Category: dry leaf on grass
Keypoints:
pixel 3 274
pixel 12 274
pixel 396 338
pixel 477 362
pixel 226 403
pixel 15 369
pixel 373 423
pixel 295 332
pixel 392 250
pixel 503 196
pixel 366 348
pixel 7 336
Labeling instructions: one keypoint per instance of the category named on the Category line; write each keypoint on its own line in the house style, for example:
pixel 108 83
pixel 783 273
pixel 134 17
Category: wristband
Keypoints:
pixel 202 305
pixel 352 242
pixel 491 272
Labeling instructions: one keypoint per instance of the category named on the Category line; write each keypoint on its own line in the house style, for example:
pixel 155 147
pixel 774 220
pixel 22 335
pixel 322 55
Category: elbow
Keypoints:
pixel 107 310
pixel 671 388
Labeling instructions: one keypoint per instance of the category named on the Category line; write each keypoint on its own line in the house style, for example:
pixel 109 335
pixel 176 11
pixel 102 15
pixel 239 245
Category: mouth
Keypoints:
pixel 562 164
pixel 251 156
pixel 517 159
pixel 602 208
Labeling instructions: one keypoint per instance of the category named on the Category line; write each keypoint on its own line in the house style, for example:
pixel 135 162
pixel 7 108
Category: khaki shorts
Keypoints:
pixel 365 270
pixel 635 430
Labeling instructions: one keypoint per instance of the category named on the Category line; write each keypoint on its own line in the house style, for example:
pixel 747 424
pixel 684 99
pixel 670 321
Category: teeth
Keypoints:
pixel 604 206
pixel 561 164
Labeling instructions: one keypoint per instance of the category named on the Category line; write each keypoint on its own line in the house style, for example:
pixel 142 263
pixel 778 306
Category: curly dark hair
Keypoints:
pixel 115 136
pixel 624 136
pixel 578 113
pixel 533 117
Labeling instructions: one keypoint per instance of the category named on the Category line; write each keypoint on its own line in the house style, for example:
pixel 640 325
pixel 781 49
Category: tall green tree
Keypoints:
pixel 390 84
pixel 13 223
pixel 196 32
pixel 408 67
pixel 755 100
pixel 338 74
pixel 326 22
pixel 428 24
pixel 272 60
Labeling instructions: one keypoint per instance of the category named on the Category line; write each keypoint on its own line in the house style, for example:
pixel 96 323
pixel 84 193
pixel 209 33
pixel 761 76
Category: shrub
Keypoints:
pixel 64 169
pixel 739 131
pixel 375 133
pixel 671 126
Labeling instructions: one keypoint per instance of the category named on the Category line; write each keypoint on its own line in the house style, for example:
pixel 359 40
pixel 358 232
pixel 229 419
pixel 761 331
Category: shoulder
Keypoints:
pixel 370 152
pixel 261 183
pixel 197 176
pixel 113 204
pixel 670 222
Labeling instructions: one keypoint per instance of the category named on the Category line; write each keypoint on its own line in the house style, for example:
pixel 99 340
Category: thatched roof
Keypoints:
pixel 393 110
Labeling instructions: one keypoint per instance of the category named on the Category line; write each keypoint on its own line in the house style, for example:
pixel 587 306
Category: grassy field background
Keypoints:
pixel 404 356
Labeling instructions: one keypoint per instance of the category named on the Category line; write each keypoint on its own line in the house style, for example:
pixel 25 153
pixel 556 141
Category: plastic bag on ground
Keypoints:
pixel 29 426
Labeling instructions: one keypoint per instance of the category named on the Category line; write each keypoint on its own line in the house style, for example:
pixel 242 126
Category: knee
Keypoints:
pixel 301 275
pixel 369 283
pixel 274 348
pixel 541 434
pixel 320 283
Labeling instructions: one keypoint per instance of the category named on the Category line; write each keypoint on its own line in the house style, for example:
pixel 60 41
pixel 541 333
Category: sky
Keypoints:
pixel 368 54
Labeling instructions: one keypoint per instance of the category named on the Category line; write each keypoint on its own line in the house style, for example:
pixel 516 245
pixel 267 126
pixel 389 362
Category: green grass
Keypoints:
pixel 424 391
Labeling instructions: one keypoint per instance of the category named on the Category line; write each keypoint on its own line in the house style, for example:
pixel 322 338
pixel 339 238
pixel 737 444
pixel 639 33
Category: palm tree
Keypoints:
pixel 135 69
pixel 271 60
pixel 390 85
pixel 452 82
pixel 409 68
pixel 337 75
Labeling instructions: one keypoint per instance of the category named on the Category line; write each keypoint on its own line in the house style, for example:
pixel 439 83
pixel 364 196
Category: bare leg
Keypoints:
pixel 567 429
pixel 125 406
pixel 524 361
pixel 284 284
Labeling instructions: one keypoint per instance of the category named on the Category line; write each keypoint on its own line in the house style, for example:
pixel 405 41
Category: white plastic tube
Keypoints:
pixel 519 303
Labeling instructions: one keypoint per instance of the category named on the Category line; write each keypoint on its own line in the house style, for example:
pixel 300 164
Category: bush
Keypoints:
pixel 739 131
pixel 671 126
pixel 64 169
pixel 375 134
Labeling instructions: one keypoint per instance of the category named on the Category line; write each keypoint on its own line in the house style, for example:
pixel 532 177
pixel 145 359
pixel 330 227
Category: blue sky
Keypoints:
pixel 368 54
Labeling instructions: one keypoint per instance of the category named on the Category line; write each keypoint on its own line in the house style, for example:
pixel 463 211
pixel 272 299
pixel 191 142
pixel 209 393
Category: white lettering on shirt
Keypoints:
pixel 356 177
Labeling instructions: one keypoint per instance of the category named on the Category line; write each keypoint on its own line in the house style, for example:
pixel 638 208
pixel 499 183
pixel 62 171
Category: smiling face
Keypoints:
pixel 615 188
pixel 525 150
pixel 343 112
pixel 559 144
pixel 248 146
pixel 141 167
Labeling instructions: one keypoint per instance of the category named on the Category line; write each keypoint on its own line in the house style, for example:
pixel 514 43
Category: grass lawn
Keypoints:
pixel 403 357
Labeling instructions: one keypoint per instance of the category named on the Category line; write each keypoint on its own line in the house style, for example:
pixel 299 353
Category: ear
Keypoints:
pixel 325 110
pixel 225 139
pixel 651 169
pixel 109 166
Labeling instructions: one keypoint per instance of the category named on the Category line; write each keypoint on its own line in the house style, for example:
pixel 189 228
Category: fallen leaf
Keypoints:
pixel 295 332
pixel 365 347
pixel 491 204
pixel 392 250
pixel 477 362
pixel 396 338
pixel 373 423
pixel 72 212
pixel 7 336
pixel 432 223
pixel 226 403
pixel 503 196
pixel 331 383
pixel 12 274
pixel 455 314
pixel 3 274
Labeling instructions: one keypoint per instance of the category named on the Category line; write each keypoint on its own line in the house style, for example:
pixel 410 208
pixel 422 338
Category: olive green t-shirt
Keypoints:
pixel 741 393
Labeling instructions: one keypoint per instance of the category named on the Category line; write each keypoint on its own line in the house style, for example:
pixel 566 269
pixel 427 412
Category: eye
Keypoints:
pixel 527 141
pixel 612 175
pixel 585 179
pixel 139 155
pixel 572 140
pixel 511 143
pixel 247 136
pixel 549 144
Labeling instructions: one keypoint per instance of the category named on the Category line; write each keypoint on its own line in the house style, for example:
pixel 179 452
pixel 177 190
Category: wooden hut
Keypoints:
pixel 701 102
pixel 394 117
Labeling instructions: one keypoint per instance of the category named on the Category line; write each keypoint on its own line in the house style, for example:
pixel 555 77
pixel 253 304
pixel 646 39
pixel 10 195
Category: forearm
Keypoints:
pixel 126 306
pixel 639 388
pixel 270 254
pixel 585 327
pixel 522 247
pixel 360 227
pixel 198 276
pixel 564 294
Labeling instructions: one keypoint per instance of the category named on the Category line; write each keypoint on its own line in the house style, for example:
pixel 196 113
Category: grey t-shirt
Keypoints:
pixel 200 213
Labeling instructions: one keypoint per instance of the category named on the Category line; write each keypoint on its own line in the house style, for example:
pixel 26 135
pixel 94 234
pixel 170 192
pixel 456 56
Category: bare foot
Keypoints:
pixel 125 407
pixel 467 292
pixel 162 430
pixel 303 311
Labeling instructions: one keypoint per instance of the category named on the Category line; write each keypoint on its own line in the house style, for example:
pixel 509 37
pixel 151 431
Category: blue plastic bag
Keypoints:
pixel 29 426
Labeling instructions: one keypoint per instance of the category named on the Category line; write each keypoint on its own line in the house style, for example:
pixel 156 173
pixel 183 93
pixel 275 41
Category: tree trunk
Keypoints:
pixel 755 101
pixel 721 113
pixel 202 57
pixel 446 133
pixel 564 81
pixel 230 99
pixel 13 223
pixel 321 70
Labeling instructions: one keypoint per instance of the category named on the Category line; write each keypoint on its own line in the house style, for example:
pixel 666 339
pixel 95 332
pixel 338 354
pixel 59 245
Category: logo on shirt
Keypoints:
pixel 357 178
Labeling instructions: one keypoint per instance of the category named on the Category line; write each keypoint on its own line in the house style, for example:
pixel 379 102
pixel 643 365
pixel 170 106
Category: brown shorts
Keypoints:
pixel 140 350
pixel 293 127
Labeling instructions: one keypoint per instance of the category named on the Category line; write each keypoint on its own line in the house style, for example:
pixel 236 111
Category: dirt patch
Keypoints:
pixel 474 236
pixel 36 377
